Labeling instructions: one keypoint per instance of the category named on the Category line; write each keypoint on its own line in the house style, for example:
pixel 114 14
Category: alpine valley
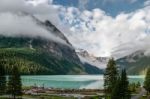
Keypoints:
pixel 55 55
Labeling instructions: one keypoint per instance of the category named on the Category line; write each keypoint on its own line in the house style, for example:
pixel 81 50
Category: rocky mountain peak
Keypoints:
pixel 85 57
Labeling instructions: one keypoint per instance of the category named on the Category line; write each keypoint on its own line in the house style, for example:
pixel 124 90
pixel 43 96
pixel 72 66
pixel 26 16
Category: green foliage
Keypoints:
pixel 2 80
pixel 34 56
pixel 110 76
pixel 134 87
pixel 31 61
pixel 147 81
pixel 116 92
pixel 95 97
pixel 124 89
pixel 121 88
pixel 138 84
pixel 14 83
pixel 92 70
pixel 116 86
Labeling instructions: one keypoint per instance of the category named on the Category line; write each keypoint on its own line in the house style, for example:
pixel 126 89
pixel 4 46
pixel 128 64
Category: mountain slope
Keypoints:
pixel 98 63
pixel 85 57
pixel 45 52
pixel 36 62
pixel 135 63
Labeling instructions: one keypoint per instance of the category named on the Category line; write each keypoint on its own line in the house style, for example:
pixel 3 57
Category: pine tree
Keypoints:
pixel 124 88
pixel 2 80
pixel 147 81
pixel 116 90
pixel 110 77
pixel 138 84
pixel 14 83
pixel 121 88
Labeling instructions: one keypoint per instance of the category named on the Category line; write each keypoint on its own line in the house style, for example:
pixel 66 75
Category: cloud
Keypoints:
pixel 104 35
pixel 95 31
pixel 147 3
pixel 37 2
pixel 19 18
pixel 21 25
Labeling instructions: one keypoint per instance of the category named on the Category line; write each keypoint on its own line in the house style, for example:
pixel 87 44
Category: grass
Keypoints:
pixel 144 97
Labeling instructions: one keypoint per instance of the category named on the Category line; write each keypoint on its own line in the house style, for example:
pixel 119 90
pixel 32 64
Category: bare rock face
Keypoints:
pixel 85 57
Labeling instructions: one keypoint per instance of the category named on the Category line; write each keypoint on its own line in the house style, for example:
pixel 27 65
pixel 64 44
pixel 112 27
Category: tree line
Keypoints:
pixel 147 81
pixel 11 84
pixel 116 85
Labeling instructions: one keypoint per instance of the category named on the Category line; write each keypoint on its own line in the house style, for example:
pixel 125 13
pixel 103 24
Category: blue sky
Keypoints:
pixel 111 7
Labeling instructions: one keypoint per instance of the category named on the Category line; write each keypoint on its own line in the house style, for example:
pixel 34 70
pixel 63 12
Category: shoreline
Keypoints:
pixel 35 91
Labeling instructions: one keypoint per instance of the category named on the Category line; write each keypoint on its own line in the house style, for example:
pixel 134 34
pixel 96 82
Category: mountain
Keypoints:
pixel 88 59
pixel 135 63
pixel 38 55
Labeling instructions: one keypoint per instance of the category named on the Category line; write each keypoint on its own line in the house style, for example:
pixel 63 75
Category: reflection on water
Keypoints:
pixel 71 81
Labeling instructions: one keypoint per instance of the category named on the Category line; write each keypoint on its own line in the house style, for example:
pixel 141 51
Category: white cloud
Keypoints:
pixel 104 35
pixel 16 25
pixel 18 18
pixel 37 2
pixel 94 30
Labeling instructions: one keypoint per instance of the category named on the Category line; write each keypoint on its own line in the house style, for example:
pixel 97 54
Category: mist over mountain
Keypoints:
pixel 44 27
pixel 136 63
pixel 24 25
pixel 38 47
pixel 93 30
pixel 86 58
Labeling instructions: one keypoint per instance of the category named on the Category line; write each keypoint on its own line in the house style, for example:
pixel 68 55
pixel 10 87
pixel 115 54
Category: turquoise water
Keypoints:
pixel 71 81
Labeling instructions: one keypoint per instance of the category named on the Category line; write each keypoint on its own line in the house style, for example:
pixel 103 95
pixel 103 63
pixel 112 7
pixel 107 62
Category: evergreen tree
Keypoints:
pixel 14 83
pixel 121 88
pixel 124 88
pixel 147 81
pixel 116 90
pixel 2 80
pixel 110 77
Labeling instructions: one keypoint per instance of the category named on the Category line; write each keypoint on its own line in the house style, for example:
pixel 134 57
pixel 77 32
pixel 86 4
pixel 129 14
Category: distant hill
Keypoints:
pixel 135 63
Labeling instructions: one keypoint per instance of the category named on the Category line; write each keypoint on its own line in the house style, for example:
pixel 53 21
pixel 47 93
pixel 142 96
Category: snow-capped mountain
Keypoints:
pixel 85 57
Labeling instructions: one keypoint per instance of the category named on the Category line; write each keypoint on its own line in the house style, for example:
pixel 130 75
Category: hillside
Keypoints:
pixel 35 62
pixel 135 63
pixel 46 52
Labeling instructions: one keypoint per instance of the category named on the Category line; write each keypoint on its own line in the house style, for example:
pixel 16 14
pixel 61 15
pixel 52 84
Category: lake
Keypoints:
pixel 71 81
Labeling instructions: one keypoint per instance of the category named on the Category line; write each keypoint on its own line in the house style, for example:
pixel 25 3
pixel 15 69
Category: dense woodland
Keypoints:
pixel 35 62
pixel 32 56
